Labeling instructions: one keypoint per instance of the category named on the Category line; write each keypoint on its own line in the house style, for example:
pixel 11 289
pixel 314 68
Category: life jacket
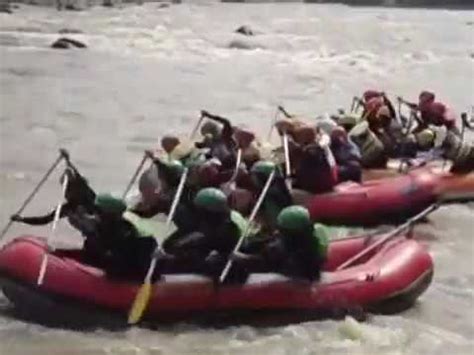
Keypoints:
pixel 371 147
pixel 372 107
pixel 242 223
pixel 321 239
pixel 425 139
pixel 145 227
pixel 459 152
pixel 438 114
pixel 348 121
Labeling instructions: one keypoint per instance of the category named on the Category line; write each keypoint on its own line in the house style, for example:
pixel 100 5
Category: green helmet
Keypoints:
pixel 263 167
pixel 211 199
pixel 110 204
pixel 425 139
pixel 294 218
pixel 174 170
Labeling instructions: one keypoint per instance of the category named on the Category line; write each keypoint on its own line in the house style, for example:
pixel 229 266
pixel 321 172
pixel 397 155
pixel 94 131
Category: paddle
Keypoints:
pixel 143 295
pixel 194 131
pixel 466 123
pixel 388 236
pixel 63 154
pixel 356 104
pixel 247 228
pixel 232 179
pixel 283 111
pixel 287 161
pixel 146 155
pixel 57 213
pixel 275 118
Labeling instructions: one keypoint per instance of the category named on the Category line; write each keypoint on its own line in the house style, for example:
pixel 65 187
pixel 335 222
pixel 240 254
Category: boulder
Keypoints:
pixel 5 8
pixel 67 43
pixel 245 30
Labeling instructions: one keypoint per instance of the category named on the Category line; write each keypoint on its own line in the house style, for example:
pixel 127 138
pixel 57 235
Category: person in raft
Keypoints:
pixel 434 113
pixel 110 241
pixel 79 198
pixel 297 249
pixel 122 248
pixel 347 156
pixel 155 201
pixel 313 170
pixel 206 247
pixel 219 140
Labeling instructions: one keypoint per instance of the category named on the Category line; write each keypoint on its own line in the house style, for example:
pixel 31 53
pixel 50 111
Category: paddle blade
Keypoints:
pixel 140 303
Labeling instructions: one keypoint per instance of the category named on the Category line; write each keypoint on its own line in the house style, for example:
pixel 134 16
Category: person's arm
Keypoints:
pixel 42 220
pixel 251 261
pixel 227 130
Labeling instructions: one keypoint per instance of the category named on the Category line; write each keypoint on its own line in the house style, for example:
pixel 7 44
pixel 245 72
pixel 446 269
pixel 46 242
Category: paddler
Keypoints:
pixel 219 141
pixel 433 113
pixel 374 100
pixel 170 173
pixel 122 248
pixel 79 200
pixel 206 247
pixel 459 152
pixel 250 147
pixel 347 156
pixel 298 248
pixel 312 169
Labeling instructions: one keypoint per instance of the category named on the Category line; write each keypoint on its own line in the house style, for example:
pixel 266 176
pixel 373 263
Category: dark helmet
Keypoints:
pixel 212 200
pixel 172 172
pixel 263 167
pixel 110 204
pixel 294 219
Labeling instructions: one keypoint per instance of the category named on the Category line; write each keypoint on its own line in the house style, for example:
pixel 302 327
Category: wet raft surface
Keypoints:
pixel 149 70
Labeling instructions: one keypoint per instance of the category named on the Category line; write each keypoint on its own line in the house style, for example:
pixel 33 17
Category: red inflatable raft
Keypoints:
pixel 387 280
pixel 389 200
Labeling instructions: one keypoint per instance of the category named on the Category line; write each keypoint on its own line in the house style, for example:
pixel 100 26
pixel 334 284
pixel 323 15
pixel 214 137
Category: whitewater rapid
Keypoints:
pixel 148 71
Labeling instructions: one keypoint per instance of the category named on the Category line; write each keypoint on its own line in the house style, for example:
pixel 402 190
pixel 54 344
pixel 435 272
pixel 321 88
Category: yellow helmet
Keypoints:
pixel 425 139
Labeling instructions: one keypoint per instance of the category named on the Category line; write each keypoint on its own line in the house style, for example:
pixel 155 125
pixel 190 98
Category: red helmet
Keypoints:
pixel 373 105
pixel 425 97
pixel 370 94
pixel 208 175
pixel 305 135
pixel 244 137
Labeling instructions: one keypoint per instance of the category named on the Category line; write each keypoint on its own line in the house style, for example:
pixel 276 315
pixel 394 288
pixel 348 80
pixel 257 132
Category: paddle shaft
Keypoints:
pixel 135 175
pixel 275 117
pixel 390 235
pixel 194 131
pixel 33 193
pixel 287 161
pixel 247 228
pixel 57 213
pixel 174 205
pixel 237 166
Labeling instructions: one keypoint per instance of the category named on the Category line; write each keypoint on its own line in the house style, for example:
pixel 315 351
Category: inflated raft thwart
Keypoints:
pixel 389 200
pixel 387 280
